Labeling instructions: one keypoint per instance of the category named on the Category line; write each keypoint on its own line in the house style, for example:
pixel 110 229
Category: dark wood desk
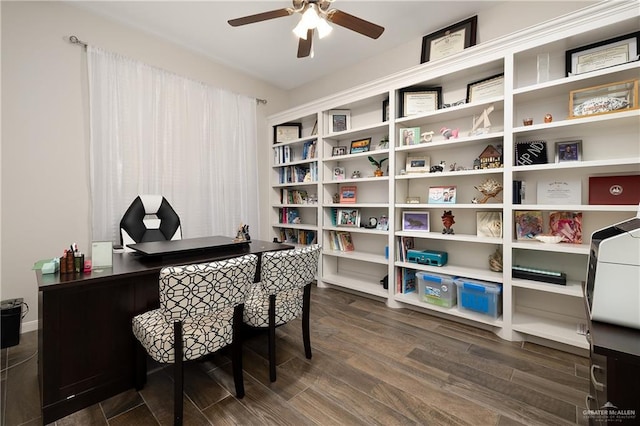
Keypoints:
pixel 85 343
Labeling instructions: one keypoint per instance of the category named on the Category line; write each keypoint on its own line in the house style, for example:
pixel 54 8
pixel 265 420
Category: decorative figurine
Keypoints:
pixel 378 171
pixel 336 198
pixel 527 121
pixel 484 120
pixel 355 174
pixel 447 221
pixel 426 136
pixel 490 189
pixel 449 133
pixel 548 118
pixel 495 261
pixel 243 233
pixel 491 157
pixel 438 167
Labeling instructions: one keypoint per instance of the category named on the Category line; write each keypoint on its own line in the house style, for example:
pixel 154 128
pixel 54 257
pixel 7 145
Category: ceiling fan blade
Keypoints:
pixel 259 17
pixel 304 46
pixel 354 23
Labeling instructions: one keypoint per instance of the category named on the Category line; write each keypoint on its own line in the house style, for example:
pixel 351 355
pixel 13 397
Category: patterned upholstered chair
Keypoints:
pixel 201 309
pixel 283 293
pixel 149 218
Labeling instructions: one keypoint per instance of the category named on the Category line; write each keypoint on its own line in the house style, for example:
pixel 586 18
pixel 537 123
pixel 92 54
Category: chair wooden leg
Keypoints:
pixel 178 375
pixel 272 337
pixel 306 310
pixel 236 350
pixel 141 366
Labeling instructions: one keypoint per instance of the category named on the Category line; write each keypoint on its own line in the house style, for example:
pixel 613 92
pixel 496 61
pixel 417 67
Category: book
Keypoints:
pixel 568 225
pixel 528 224
pixel 489 224
pixel 406 243
pixel 408 280
pixel 346 242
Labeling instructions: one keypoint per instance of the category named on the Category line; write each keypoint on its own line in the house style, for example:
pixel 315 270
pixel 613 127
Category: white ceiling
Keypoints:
pixel 267 50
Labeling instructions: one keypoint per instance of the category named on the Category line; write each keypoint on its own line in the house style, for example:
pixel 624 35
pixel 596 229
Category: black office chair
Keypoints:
pixel 149 218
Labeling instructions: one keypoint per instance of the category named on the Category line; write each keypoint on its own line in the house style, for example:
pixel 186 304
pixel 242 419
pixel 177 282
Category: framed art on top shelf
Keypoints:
pixel 287 132
pixel 339 120
pixel 603 54
pixel 416 101
pixel 450 40
pixel 486 88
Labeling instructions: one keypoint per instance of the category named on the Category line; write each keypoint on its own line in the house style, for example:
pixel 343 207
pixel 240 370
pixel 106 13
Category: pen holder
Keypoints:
pixel 67 263
pixel 78 262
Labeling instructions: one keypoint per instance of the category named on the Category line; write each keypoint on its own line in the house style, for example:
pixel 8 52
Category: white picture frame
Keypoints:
pixel 339 120
pixel 418 164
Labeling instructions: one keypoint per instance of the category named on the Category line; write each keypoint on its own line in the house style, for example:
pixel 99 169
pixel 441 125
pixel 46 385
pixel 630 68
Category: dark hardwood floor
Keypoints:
pixel 371 365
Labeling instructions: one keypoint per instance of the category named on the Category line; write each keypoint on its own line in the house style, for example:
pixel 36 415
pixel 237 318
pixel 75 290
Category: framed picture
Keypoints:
pixel 531 152
pixel 420 101
pixel 415 221
pixel 450 40
pixel 484 89
pixel 383 223
pixel 409 136
pixel 567 225
pixel 385 110
pixel 348 194
pixel 442 195
pixel 489 224
pixel 360 145
pixel 287 132
pixel 339 173
pixel 604 99
pixel 603 54
pixel 339 150
pixel 349 217
pixel 339 120
pixel 418 164
pixel 568 151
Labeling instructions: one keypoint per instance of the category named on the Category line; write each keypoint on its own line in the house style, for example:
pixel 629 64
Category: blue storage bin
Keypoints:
pixel 480 296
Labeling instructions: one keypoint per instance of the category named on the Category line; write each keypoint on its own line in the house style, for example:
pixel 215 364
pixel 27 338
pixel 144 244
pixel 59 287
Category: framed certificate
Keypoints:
pixel 287 132
pixel 604 54
pixel 484 89
pixel 420 101
pixel 448 41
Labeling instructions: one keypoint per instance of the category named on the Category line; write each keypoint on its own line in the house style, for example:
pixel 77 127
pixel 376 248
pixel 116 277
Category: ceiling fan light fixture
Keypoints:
pixel 324 29
pixel 310 17
pixel 300 30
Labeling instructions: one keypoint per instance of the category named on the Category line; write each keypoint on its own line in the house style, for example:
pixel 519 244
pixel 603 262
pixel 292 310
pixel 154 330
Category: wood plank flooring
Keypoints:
pixel 371 365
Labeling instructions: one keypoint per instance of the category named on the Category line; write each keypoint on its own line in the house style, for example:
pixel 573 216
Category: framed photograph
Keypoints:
pixel 420 101
pixel 568 151
pixel 604 99
pixel 442 195
pixel 339 120
pixel 415 221
pixel 339 173
pixel 603 54
pixel 409 136
pixel 385 111
pixel 418 164
pixel 531 152
pixel 348 194
pixel 338 150
pixel 450 40
pixel 360 145
pixel 287 132
pixel 484 89
pixel 528 224
pixel 349 217
pixel 489 224
pixel 383 223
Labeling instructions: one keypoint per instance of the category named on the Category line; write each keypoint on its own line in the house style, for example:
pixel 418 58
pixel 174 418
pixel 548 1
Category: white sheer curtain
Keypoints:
pixel 154 132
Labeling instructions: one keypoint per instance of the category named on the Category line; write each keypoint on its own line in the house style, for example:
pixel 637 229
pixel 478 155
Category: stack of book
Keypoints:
pixel 341 241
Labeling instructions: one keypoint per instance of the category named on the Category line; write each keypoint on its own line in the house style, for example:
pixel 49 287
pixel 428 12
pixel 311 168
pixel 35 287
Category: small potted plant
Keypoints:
pixel 378 171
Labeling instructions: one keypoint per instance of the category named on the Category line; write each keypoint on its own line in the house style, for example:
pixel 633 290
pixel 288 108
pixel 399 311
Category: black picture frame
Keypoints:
pixel 360 145
pixel 385 111
pixel 570 55
pixel 286 132
pixel 484 82
pixel 470 28
pixel 528 153
pixel 419 90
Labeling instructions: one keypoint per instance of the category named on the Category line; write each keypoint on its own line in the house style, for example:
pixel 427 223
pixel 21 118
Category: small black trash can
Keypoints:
pixel 11 322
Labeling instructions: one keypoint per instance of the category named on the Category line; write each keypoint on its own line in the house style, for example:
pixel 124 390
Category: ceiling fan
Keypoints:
pixel 315 15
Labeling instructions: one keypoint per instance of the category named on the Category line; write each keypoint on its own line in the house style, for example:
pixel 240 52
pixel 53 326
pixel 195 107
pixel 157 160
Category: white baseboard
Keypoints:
pixel 28 326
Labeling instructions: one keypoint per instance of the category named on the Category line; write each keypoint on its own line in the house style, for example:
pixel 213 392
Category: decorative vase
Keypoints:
pixel 378 172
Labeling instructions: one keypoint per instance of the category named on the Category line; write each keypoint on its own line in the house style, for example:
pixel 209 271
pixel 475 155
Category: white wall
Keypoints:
pixel 505 18
pixel 45 176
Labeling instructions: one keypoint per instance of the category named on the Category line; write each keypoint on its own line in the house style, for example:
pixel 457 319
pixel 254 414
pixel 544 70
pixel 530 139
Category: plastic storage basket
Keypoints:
pixel 437 289
pixel 480 296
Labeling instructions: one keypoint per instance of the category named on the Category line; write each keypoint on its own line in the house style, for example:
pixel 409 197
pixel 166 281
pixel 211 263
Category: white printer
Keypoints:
pixel 613 278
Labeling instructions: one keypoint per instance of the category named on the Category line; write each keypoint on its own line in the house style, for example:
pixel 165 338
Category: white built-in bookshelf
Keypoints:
pixel 532 310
